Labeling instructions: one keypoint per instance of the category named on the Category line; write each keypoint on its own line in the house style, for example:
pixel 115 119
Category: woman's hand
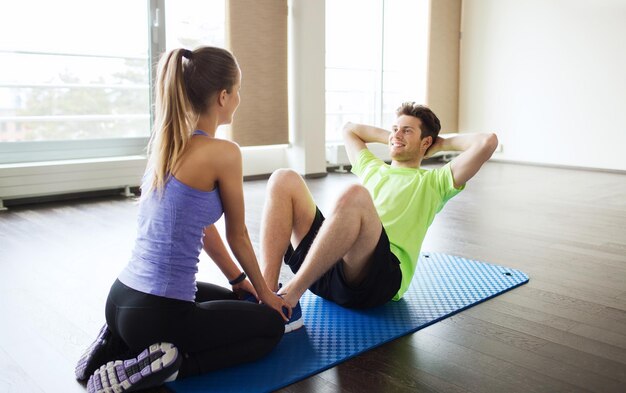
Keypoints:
pixel 277 303
pixel 244 288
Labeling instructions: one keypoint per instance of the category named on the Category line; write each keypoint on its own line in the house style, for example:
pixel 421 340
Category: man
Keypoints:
pixel 366 251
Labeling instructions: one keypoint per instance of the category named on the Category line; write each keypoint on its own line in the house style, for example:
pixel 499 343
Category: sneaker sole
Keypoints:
pixel 151 368
pixel 81 370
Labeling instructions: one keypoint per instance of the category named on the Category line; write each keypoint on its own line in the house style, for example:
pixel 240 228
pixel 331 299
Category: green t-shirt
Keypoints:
pixel 407 201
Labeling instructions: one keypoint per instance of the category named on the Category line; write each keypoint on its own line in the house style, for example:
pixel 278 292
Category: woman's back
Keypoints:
pixel 171 223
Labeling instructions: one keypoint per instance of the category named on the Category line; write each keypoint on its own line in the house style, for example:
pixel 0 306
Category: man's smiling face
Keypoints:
pixel 405 139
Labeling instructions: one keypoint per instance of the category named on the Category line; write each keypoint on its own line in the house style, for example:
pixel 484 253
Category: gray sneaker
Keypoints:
pixel 88 363
pixel 151 368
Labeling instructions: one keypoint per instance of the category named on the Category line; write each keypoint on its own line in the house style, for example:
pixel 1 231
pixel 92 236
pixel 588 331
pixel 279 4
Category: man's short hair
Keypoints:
pixel 430 123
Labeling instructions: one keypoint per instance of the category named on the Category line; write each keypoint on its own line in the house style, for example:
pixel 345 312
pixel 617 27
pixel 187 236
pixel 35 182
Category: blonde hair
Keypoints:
pixel 186 82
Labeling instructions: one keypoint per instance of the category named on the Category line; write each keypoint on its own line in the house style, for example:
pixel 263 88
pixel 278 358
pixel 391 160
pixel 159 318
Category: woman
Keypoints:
pixel 161 323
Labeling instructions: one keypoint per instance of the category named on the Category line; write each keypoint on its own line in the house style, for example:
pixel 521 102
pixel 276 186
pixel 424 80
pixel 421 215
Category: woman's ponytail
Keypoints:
pixel 186 82
pixel 173 123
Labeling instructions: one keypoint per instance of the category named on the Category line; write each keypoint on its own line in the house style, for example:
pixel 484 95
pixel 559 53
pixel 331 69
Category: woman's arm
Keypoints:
pixel 215 248
pixel 230 180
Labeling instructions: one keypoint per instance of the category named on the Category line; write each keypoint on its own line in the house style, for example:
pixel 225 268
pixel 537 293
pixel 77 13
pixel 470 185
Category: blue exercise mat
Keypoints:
pixel 443 286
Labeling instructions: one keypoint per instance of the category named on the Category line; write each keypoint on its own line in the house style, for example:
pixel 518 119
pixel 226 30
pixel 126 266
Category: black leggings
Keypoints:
pixel 214 332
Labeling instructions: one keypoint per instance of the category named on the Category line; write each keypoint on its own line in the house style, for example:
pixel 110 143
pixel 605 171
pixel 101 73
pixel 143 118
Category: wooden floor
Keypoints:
pixel 563 331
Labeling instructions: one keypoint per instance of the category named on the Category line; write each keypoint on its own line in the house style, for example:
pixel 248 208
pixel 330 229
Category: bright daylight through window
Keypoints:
pixel 372 66
pixel 76 70
pixel 79 72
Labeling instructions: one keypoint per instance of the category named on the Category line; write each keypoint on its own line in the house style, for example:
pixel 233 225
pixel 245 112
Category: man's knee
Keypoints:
pixel 355 196
pixel 283 178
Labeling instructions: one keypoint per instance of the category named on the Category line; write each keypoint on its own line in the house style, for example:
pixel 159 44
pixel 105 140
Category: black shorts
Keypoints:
pixel 380 285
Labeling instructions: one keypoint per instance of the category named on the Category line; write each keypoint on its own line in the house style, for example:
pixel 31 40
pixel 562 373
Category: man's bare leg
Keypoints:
pixel 288 214
pixel 350 232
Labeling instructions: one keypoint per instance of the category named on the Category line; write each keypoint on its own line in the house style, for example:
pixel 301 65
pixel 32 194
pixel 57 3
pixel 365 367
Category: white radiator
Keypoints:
pixel 336 155
pixel 37 179
pixel 24 180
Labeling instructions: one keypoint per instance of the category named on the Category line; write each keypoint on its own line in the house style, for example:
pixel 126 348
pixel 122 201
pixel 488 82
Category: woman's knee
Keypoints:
pixel 273 323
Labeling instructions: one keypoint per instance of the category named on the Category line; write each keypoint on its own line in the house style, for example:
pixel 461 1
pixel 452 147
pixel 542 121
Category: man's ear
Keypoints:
pixel 426 143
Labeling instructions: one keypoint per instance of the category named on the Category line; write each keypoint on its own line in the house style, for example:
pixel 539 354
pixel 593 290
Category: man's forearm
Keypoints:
pixel 476 150
pixel 464 141
pixel 368 134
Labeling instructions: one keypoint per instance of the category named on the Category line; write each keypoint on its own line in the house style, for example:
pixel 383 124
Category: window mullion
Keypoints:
pixel 156 37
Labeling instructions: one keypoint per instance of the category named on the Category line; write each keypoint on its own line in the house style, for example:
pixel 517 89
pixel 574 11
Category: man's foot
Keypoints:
pixel 87 363
pixel 154 366
pixel 296 321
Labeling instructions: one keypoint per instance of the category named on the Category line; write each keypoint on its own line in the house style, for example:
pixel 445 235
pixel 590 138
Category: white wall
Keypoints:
pixel 549 76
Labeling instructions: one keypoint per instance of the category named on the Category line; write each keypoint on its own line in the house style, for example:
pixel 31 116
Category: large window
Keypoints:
pixel 373 65
pixel 76 73
pixel 73 70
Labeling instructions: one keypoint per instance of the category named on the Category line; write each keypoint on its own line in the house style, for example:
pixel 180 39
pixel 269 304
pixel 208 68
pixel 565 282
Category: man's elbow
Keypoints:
pixel 348 129
pixel 491 143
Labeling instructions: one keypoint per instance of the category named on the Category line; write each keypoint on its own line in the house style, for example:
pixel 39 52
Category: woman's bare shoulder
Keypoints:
pixel 222 148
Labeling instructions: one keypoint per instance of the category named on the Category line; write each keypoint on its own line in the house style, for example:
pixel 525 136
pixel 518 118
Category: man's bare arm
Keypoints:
pixel 476 148
pixel 355 136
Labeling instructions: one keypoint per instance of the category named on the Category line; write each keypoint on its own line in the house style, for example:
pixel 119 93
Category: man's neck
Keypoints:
pixel 415 164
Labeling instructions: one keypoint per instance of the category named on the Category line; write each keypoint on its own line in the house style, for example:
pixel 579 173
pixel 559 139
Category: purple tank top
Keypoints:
pixel 171 226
